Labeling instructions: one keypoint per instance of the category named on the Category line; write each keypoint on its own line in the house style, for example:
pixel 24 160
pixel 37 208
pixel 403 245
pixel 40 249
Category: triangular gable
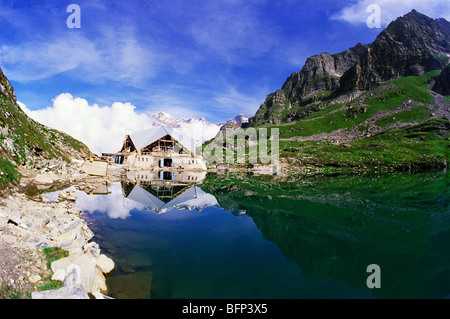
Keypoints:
pixel 147 137
pixel 140 195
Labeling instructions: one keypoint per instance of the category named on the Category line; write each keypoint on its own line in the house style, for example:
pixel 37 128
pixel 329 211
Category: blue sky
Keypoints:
pixel 209 58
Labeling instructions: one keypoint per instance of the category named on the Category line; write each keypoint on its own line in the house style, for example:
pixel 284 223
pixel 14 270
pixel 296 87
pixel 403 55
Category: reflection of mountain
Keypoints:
pixel 334 227
pixel 162 191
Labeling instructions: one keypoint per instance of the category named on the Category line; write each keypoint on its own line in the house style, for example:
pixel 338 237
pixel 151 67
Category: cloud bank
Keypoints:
pixel 102 129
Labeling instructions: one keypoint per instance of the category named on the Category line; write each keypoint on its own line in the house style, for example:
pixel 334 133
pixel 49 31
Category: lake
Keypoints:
pixel 241 236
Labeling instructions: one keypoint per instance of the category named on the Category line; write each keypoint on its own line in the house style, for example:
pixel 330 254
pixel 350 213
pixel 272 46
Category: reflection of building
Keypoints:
pixel 162 191
pixel 147 177
pixel 160 148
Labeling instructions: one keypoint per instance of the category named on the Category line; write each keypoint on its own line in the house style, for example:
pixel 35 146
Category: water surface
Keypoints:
pixel 240 236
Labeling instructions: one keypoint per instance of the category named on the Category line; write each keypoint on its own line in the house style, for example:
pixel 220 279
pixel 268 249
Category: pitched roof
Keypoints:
pixel 147 137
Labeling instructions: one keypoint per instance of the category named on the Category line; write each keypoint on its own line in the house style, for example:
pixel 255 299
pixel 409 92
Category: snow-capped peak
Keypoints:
pixel 238 119
pixel 200 129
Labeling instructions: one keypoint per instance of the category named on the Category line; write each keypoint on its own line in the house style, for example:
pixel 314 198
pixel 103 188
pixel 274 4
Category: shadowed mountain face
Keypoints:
pixel 411 45
pixel 442 84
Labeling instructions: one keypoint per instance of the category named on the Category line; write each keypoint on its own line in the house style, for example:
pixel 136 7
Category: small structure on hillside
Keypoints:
pixel 160 148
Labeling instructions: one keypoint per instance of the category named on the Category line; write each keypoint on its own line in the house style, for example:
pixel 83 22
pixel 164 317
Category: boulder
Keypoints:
pixel 60 275
pixel 65 237
pixel 44 179
pixel 75 291
pixel 34 279
pixel 35 220
pixel 105 264
pixel 84 266
pixel 73 275
pixel 99 283
pixel 93 248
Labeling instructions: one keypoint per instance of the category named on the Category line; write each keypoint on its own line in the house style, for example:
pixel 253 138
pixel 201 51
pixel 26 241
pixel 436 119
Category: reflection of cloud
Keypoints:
pixel 192 198
pixel 112 204
pixel 116 206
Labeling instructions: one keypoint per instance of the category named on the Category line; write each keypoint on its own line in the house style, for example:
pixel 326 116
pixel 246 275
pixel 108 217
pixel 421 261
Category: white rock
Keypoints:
pixel 105 264
pixel 69 236
pixel 73 275
pixel 93 248
pixel 86 266
pixel 11 203
pixel 99 283
pixel 60 275
pixel 63 263
pixel 44 179
pixel 36 220
pixel 62 195
pixel 34 279
pixel 98 295
pixel 72 198
pixel 69 292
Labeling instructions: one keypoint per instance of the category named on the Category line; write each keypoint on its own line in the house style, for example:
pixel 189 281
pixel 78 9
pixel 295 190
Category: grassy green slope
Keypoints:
pixel 391 126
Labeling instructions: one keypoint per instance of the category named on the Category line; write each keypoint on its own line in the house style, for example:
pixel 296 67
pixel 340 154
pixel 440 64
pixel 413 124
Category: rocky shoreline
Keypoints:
pixel 31 223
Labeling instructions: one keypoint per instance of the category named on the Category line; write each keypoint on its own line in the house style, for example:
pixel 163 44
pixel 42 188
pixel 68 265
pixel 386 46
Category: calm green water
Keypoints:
pixel 244 236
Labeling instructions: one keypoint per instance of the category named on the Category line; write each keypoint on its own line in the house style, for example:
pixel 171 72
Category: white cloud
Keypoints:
pixel 116 54
pixel 391 9
pixel 102 129
pixel 239 102
pixel 30 61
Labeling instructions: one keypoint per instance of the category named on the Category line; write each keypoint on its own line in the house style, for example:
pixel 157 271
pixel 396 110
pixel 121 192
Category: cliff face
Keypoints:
pixel 26 142
pixel 411 45
pixel 6 88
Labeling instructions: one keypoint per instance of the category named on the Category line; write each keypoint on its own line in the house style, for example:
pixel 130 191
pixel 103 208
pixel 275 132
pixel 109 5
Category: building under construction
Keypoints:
pixel 160 148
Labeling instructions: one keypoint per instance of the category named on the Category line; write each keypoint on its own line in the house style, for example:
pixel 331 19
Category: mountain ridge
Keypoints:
pixel 383 106
pixel 411 45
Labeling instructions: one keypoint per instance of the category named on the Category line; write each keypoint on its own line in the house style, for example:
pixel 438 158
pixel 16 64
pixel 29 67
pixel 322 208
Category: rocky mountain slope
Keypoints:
pixel 28 143
pixel 411 45
pixel 385 105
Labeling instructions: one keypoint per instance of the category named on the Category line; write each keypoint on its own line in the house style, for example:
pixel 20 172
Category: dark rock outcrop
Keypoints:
pixel 411 45
pixel 6 88
pixel 442 84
